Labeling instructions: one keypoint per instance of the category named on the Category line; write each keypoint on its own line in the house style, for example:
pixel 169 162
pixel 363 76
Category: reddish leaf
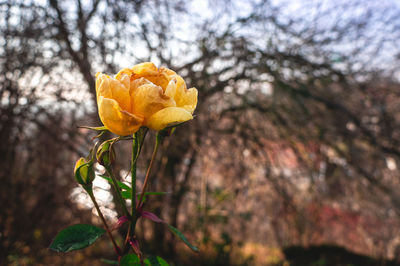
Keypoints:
pixel 120 222
pixel 151 216
pixel 135 245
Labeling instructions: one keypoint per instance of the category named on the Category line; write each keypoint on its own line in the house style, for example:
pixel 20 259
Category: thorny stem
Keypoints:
pixel 116 248
pixel 146 179
pixel 118 191
pixel 137 144
pixel 135 150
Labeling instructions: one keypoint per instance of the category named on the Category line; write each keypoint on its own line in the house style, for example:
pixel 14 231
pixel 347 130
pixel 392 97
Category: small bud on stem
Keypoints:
pixel 84 173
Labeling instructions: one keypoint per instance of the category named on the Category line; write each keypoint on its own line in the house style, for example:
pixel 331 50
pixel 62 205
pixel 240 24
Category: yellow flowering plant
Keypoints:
pixel 143 95
pixel 134 100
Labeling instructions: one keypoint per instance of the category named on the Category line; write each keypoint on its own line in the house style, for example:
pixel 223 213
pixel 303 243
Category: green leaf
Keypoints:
pixel 149 194
pixel 111 262
pixel 130 260
pixel 179 234
pixel 133 260
pixel 75 237
pixel 155 261
pixel 122 185
pixel 126 194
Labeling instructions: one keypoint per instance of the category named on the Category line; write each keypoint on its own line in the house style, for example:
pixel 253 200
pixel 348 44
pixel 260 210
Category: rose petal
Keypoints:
pixel 148 99
pixel 101 88
pixel 149 71
pixel 190 100
pixel 170 91
pixel 168 116
pixel 113 89
pixel 183 97
pixel 115 119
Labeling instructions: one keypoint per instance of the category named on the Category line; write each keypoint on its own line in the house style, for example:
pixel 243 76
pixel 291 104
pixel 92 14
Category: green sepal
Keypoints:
pixel 176 124
pixel 84 172
pixel 103 128
pixel 99 135
pixel 171 127
pixel 105 154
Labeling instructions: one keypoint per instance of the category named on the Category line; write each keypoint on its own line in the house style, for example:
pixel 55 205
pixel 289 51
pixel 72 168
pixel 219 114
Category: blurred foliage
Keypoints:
pixel 326 255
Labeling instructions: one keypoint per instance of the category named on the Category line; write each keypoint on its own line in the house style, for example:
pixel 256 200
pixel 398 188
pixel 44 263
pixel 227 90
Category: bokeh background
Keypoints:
pixel 292 158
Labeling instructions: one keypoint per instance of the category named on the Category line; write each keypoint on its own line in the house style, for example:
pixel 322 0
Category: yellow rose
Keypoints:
pixel 143 95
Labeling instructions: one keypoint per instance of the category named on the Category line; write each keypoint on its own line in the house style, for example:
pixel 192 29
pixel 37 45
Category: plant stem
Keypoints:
pixel 132 225
pixel 137 144
pixel 146 179
pixel 118 191
pixel 135 150
pixel 91 195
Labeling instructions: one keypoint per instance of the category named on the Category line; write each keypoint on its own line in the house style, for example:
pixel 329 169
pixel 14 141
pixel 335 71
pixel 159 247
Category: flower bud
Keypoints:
pixel 84 172
pixel 105 154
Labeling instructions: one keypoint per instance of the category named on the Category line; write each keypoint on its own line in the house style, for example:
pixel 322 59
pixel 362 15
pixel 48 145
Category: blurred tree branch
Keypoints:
pixel 317 75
